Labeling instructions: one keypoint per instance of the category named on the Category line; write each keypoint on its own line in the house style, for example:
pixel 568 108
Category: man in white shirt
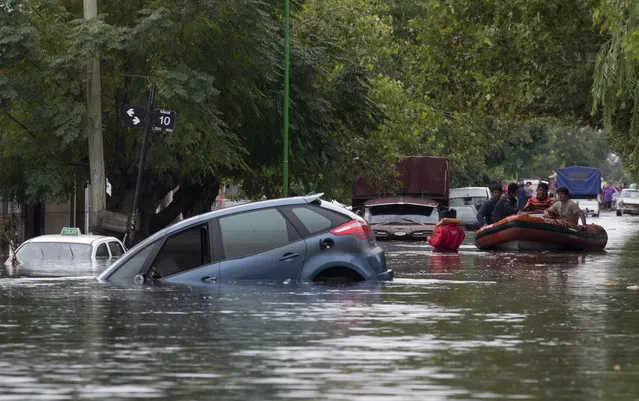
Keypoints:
pixel 565 209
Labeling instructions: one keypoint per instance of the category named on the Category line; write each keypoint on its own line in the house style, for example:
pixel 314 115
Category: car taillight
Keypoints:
pixel 354 227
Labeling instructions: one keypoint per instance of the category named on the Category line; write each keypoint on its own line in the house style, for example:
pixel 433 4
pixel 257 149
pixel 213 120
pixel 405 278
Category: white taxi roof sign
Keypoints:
pixel 70 231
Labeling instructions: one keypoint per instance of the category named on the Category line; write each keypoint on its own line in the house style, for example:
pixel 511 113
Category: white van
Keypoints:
pixel 589 206
pixel 468 196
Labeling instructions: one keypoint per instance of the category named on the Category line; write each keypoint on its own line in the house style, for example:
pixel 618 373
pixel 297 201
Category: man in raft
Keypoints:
pixel 540 202
pixel 507 205
pixel 485 213
pixel 566 209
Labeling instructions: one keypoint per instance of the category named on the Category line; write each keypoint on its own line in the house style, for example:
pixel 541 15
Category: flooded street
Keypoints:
pixel 472 325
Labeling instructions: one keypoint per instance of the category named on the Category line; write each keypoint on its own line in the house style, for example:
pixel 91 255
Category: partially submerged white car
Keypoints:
pixel 70 246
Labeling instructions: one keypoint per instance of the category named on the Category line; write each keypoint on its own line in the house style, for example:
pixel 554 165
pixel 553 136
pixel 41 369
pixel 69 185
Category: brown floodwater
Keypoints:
pixel 471 325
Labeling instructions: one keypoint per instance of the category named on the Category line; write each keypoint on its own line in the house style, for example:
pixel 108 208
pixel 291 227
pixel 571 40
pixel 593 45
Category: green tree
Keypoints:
pixel 218 63
pixel 615 90
pixel 467 80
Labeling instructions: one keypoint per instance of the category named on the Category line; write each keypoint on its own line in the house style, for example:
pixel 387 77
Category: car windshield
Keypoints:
pixel 534 183
pixel 466 213
pixel 54 251
pixel 401 214
pixel 629 194
pixel 475 201
pixel 468 192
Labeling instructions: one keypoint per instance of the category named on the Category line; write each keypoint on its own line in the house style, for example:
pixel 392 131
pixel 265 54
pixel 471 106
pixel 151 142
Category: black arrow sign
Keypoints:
pixel 133 115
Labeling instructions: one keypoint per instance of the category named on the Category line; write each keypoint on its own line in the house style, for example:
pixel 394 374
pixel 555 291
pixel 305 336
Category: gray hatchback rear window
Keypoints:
pixel 313 221
pixel 316 219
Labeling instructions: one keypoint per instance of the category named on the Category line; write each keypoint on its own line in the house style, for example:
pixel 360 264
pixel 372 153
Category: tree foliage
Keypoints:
pixel 218 63
pixel 473 81
pixel 615 89
pixel 503 89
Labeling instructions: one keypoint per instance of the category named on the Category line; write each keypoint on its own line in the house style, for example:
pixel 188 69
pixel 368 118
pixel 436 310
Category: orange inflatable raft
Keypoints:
pixel 535 233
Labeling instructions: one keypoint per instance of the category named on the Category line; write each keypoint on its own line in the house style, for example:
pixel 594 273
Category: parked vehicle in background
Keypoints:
pixel 301 238
pixel 464 196
pixel 535 183
pixel 591 207
pixel 628 202
pixel 584 185
pixel 468 216
pixel 401 217
pixel 412 211
pixel 69 250
pixel 423 177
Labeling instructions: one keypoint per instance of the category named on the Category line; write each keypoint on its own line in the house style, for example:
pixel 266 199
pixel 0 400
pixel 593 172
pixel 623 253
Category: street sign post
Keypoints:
pixel 129 236
pixel 158 120
pixel 163 120
pixel 133 115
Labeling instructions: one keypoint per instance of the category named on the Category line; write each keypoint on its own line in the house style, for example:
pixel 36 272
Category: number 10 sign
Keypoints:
pixel 163 120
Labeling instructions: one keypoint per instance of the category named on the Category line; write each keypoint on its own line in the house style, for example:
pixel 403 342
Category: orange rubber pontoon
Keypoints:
pixel 535 233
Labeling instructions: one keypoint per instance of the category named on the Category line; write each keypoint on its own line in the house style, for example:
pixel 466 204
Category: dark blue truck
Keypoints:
pixel 584 185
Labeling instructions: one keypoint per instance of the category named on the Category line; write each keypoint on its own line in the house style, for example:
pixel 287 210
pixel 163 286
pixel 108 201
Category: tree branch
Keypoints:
pixel 24 127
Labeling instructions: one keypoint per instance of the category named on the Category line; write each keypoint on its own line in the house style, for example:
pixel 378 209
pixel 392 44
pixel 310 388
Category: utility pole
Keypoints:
pixel 287 19
pixel 97 197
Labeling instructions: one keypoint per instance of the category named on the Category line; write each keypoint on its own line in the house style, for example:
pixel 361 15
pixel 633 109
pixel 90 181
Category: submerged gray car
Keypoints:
pixel 300 238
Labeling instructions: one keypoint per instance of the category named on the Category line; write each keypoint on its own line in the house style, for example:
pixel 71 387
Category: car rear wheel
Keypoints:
pixel 337 275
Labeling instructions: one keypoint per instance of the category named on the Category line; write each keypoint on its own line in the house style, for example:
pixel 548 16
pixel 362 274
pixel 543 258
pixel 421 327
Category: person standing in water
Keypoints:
pixel 447 235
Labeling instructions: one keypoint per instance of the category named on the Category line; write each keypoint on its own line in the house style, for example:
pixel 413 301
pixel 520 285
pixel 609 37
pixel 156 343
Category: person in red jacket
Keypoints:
pixel 447 235
pixel 539 202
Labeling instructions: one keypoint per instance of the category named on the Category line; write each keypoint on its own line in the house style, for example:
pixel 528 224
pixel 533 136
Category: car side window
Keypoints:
pixel 102 252
pixel 182 251
pixel 315 219
pixel 116 249
pixel 249 233
pixel 126 273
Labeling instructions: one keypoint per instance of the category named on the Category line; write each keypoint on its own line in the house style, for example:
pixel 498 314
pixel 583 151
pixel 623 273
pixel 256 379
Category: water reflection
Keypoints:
pixel 470 325
pixel 445 262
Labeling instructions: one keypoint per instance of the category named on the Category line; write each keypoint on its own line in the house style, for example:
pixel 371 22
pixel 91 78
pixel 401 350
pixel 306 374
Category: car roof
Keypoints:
pixel 459 192
pixel 71 239
pixel 460 207
pixel 465 188
pixel 399 200
pixel 200 218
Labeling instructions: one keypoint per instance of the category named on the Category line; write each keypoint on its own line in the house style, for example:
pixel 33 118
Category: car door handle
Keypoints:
pixel 289 256
pixel 208 279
